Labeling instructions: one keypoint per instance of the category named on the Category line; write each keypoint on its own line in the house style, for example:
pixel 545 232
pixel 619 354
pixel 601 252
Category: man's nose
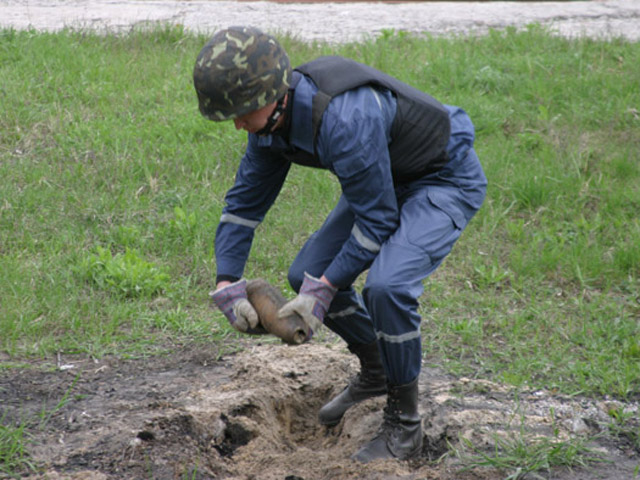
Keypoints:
pixel 238 123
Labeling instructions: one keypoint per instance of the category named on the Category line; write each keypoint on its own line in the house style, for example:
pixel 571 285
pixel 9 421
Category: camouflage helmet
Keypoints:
pixel 239 70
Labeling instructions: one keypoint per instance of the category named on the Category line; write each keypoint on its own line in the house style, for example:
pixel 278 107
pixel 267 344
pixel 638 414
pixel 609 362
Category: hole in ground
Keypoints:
pixel 284 424
pixel 235 436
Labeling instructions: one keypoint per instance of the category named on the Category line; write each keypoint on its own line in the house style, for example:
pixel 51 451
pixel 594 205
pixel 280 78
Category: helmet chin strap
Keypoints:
pixel 273 119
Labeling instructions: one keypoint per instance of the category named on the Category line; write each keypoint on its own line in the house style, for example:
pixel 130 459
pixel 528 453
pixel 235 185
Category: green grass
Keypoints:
pixel 13 442
pixel 521 454
pixel 112 187
pixel 625 425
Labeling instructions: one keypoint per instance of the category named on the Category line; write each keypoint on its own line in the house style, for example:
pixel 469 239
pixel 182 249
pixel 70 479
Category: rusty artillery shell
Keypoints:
pixel 267 300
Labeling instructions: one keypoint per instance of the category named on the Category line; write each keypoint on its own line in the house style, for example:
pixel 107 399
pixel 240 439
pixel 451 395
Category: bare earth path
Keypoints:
pixel 334 22
pixel 194 413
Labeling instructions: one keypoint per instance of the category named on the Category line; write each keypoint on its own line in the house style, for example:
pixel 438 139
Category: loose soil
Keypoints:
pixel 193 414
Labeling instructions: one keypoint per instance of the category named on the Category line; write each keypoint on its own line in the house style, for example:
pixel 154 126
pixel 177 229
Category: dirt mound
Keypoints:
pixel 190 414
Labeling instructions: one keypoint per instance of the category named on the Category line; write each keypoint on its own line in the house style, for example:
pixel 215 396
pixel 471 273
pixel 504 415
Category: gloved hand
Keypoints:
pixel 233 302
pixel 311 303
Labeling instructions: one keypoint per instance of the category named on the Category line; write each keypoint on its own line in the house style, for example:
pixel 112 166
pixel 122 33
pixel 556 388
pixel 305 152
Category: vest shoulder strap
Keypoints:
pixel 323 72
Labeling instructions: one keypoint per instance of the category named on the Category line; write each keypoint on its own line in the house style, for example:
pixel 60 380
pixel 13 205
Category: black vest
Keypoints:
pixel 420 130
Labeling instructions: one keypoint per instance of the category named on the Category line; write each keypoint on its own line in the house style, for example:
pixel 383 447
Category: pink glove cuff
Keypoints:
pixel 226 297
pixel 322 293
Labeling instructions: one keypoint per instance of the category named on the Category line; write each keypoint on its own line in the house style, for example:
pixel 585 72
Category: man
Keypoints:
pixel 410 181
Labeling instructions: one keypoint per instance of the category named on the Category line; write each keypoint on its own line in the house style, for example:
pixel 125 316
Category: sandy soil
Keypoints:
pixel 192 413
pixel 331 21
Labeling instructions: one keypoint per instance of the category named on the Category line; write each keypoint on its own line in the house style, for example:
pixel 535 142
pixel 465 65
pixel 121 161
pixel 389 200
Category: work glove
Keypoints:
pixel 233 302
pixel 311 303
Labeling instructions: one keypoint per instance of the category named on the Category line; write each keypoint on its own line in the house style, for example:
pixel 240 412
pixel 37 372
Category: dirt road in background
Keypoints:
pixel 334 22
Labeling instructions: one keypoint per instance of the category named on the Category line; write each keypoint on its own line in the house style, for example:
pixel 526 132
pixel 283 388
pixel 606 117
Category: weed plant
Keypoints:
pixel 113 184
pixel 13 442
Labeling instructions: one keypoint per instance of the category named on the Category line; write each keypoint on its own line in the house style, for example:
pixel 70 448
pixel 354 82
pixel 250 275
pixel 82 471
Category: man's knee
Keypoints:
pixel 295 276
pixel 379 292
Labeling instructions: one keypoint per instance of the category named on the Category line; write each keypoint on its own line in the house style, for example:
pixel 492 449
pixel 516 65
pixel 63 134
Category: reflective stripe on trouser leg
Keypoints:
pixel 433 212
pixel 425 236
pixel 347 316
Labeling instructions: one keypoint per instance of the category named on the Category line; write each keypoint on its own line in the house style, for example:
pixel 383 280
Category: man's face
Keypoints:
pixel 254 121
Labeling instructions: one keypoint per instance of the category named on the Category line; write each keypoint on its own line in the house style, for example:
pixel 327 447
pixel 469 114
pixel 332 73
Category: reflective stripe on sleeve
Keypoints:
pixel 365 242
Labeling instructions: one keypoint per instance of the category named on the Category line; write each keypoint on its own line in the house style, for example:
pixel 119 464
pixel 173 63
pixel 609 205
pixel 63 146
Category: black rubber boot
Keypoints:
pixel 370 382
pixel 400 435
